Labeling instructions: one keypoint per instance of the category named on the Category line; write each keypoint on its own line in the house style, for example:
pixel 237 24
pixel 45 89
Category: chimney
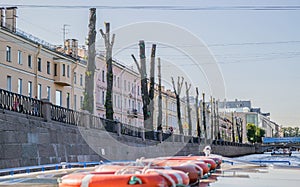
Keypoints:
pixel 1 17
pixel 74 48
pixel 67 46
pixel 10 18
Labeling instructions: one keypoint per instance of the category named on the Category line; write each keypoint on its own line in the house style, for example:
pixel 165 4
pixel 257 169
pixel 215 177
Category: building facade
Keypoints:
pixel 34 68
pixel 127 97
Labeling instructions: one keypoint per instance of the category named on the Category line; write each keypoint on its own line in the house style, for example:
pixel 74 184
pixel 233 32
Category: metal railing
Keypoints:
pixel 19 103
pixel 30 106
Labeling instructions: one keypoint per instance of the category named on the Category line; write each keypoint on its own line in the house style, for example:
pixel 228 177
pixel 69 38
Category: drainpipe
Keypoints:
pixel 36 68
pixel 72 84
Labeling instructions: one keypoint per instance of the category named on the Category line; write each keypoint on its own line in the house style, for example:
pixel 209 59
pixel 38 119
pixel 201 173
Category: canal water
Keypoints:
pixel 293 160
pixel 273 171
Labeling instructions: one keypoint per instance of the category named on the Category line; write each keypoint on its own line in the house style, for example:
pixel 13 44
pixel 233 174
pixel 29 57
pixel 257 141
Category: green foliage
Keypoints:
pixel 290 131
pixel 254 133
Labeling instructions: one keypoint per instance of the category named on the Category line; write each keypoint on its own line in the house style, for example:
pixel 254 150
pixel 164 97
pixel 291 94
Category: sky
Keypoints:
pixel 255 45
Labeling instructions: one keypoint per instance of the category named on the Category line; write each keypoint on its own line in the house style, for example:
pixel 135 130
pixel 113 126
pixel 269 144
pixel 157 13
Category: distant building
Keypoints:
pixel 127 97
pixel 242 111
pixel 34 68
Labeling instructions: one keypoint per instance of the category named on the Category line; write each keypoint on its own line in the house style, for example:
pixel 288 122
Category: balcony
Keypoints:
pixel 62 72
pixel 62 80
pixel 132 113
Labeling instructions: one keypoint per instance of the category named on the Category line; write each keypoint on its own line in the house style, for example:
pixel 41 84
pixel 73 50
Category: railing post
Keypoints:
pixel 86 118
pixel 182 137
pixel 46 109
pixel 159 133
pixel 119 129
pixel 143 133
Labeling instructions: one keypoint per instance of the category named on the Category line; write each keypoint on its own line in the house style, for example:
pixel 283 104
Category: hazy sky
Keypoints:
pixel 256 44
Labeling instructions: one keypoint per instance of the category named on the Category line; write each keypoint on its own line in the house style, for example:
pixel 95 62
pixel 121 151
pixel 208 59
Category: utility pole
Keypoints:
pixel 188 87
pixel 197 115
pixel 203 115
pixel 159 118
pixel 109 73
pixel 177 94
pixel 88 103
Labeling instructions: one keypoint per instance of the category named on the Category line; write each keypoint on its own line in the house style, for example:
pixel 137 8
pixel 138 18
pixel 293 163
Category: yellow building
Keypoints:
pixel 34 68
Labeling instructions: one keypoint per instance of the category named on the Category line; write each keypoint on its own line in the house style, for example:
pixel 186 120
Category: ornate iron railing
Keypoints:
pixel 20 103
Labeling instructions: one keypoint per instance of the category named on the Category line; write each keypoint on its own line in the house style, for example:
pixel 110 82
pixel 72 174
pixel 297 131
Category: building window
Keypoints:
pixel 114 101
pixel 75 78
pixel 118 82
pixel 19 57
pixel 48 67
pixel 132 88
pixel 68 100
pixel 125 85
pixel 129 86
pixel 8 53
pixel 63 70
pixel 138 91
pixel 75 102
pixel 29 59
pixel 39 64
pixel 139 107
pixel 39 91
pixel 81 101
pixel 58 98
pixel 29 89
pixel 115 77
pixel 103 97
pixel 8 83
pixel 81 79
pixel 103 76
pixel 68 71
pixel 20 86
pixel 48 93
pixel 55 69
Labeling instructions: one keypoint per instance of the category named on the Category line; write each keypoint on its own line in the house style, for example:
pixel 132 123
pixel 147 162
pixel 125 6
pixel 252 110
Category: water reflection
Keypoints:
pixel 240 171
pixel 294 159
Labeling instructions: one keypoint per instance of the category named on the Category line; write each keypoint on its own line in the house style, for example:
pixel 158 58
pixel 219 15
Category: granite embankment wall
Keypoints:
pixel 28 140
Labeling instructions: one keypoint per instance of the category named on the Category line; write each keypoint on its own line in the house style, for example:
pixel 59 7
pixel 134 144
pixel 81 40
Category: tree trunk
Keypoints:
pixel 109 72
pixel 204 115
pixel 188 107
pixel 232 128
pixel 89 75
pixel 197 115
pixel 151 89
pixel 177 94
pixel 159 118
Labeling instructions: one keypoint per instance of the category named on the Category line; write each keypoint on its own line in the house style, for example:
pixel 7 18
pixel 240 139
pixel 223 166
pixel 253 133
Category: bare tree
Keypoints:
pixel 159 118
pixel 197 114
pixel 204 115
pixel 109 73
pixel 88 103
pixel 188 87
pixel 177 94
pixel 147 96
